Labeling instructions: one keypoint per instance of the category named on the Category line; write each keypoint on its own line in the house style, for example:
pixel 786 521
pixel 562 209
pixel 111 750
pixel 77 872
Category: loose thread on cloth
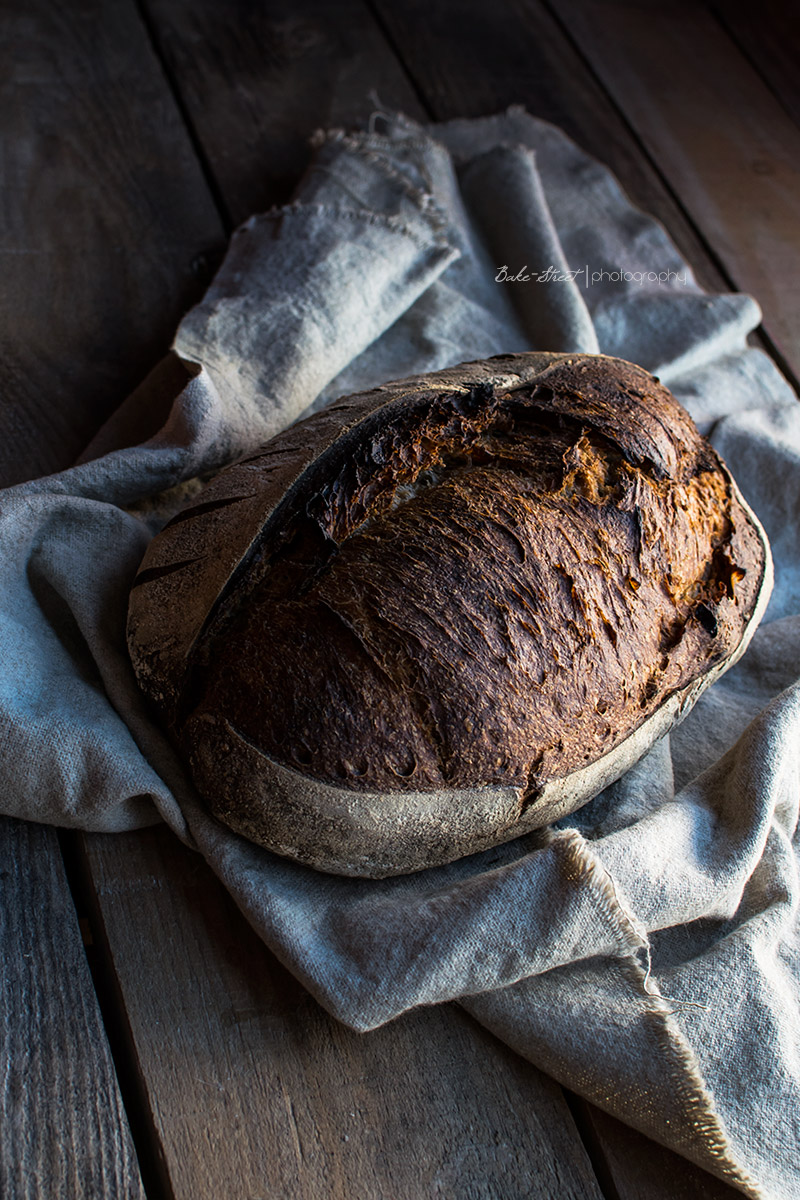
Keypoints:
pixel 690 1088
pixel 378 114
pixel 374 148
pixel 583 868
pixel 364 216
pixel 634 940
pixel 663 995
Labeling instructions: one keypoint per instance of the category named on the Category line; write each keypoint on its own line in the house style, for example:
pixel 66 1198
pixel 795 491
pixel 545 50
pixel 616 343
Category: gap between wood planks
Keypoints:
pixel 214 189
pixel 62 1119
pixel 666 70
pixel 155 1177
pixel 759 337
pixel 768 36
pixel 542 18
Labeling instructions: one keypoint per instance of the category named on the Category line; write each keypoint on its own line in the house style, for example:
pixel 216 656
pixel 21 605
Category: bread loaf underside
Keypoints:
pixel 443 613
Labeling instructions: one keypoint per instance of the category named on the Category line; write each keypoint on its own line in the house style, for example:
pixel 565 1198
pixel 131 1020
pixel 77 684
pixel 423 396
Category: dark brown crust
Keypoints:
pixel 488 577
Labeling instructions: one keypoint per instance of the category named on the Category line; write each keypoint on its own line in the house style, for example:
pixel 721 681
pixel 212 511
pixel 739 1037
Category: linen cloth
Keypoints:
pixel 644 951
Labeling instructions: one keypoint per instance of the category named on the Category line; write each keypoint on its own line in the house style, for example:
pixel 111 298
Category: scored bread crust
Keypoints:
pixel 300 537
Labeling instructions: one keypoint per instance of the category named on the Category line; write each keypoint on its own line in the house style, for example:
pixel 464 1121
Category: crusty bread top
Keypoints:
pixel 189 566
pixel 486 577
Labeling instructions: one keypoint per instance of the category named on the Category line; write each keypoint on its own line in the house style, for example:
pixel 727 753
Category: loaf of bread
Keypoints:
pixel 439 614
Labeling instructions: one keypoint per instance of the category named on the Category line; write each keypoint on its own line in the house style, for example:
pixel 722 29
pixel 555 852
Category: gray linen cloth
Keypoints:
pixel 645 951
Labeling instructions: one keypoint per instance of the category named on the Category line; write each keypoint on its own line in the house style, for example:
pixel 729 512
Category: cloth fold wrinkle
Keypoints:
pixel 504 191
pixel 463 315
pixel 384 265
pixel 642 1068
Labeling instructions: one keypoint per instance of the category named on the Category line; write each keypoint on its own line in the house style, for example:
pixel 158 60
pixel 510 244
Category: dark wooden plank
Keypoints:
pixel 639 1169
pixel 257 80
pixel 63 1130
pixel 105 219
pixel 256 1092
pixel 719 135
pixel 469 58
pixel 768 34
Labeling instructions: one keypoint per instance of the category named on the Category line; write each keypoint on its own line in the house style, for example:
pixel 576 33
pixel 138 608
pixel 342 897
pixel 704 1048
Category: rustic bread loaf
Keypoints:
pixel 442 613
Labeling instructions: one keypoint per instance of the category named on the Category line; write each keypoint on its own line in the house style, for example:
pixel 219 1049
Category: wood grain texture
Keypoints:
pixel 721 138
pixel 636 1168
pixel 469 58
pixel 256 1092
pixel 63 1130
pixel 105 219
pixel 768 34
pixel 257 80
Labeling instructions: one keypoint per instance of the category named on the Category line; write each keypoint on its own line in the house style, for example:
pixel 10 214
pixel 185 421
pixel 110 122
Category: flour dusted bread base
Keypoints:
pixel 445 612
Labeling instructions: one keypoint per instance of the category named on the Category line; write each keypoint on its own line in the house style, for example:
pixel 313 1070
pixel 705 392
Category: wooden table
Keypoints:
pixel 151 1045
